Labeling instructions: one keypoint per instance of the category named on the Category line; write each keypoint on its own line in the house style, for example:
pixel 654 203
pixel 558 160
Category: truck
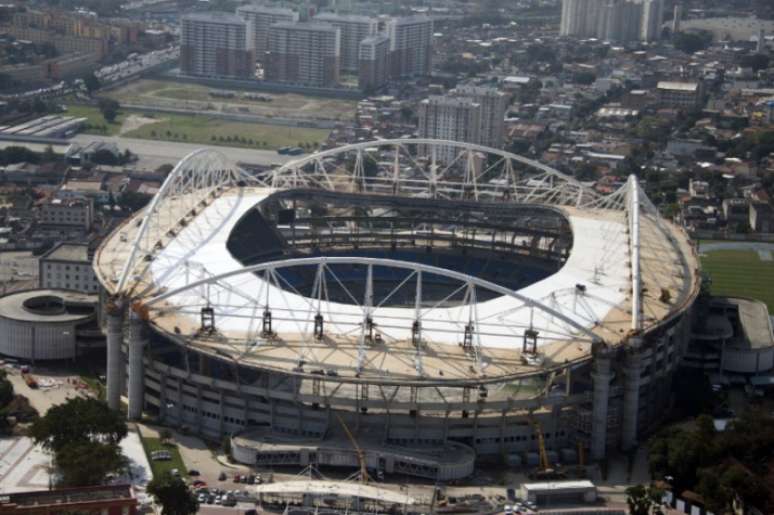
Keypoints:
pixel 31 382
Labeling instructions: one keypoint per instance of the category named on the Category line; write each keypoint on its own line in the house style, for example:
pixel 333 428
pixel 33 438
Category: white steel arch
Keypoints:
pixel 196 180
pixel 240 298
pixel 415 167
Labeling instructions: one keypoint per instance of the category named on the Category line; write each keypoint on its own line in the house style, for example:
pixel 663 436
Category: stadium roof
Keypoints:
pixel 628 271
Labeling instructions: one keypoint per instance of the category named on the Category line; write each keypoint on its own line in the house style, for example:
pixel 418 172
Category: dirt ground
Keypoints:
pixel 18 270
pixel 134 122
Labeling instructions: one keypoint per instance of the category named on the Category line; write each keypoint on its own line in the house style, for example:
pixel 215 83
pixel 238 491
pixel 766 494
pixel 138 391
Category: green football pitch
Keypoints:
pixel 740 273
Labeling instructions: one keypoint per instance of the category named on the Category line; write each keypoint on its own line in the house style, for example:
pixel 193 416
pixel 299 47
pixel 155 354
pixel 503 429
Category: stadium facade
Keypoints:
pixel 443 313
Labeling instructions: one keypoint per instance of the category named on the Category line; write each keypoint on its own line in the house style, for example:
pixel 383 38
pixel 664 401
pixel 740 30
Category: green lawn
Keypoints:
pixel 96 122
pixel 742 273
pixel 160 467
pixel 214 131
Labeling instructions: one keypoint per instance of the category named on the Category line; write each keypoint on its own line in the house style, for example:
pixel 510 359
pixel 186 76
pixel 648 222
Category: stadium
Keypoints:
pixel 375 305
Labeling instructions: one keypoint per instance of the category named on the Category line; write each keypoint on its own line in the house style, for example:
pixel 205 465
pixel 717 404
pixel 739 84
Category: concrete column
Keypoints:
pixel 631 394
pixel 162 396
pixel 115 356
pixel 601 394
pixel 137 342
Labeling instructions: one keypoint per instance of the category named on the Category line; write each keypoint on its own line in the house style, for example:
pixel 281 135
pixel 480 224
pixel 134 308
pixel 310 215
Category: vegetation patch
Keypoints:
pixel 161 467
pixel 213 131
pixel 96 122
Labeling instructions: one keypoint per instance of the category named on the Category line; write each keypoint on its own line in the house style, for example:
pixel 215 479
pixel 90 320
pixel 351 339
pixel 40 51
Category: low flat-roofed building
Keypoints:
pixel 556 492
pixel 68 266
pixel 75 188
pixel 680 95
pixel 106 500
pixel 735 337
pixel 76 212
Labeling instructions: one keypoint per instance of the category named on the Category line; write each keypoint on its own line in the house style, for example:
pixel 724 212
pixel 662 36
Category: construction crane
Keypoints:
pixel 360 454
pixel 544 464
pixel 544 471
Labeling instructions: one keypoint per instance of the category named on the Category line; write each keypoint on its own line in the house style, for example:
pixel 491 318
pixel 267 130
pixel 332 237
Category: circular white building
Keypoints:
pixel 420 305
pixel 46 324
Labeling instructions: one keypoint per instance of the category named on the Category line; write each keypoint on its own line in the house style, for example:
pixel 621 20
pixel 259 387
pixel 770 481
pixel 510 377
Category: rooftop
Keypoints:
pixel 678 86
pixel 215 17
pixel 306 26
pixel 335 488
pixel 69 252
pixel 47 305
pixel 754 321
pixel 67 496
pixel 351 18
pixel 264 9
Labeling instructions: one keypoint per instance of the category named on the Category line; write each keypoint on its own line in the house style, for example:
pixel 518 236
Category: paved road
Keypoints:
pixel 736 245
pixel 153 154
pixel 156 153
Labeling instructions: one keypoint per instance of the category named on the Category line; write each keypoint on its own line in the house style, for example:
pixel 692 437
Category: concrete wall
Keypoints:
pixel 37 341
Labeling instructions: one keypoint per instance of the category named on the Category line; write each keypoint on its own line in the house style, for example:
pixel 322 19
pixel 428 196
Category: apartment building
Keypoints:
pixel 411 46
pixel 374 66
pixel 216 44
pixel 260 18
pixel 612 20
pixel 304 54
pixel 493 104
pixel 452 118
pixel 354 29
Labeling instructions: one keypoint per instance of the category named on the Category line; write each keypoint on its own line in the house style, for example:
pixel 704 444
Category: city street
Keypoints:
pixel 153 154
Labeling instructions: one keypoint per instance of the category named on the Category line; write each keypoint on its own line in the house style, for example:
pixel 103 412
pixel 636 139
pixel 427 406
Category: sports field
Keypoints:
pixel 213 131
pixel 740 272
pixel 195 97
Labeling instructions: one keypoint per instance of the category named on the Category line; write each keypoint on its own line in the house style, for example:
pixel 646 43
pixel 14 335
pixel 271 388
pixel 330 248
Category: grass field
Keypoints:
pixel 160 467
pixel 213 131
pixel 97 123
pixel 160 93
pixel 742 273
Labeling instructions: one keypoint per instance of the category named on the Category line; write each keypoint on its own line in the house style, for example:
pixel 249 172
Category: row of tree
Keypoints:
pixel 718 465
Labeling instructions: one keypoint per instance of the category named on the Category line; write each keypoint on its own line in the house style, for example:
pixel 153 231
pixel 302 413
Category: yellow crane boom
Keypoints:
pixel 360 454
pixel 544 464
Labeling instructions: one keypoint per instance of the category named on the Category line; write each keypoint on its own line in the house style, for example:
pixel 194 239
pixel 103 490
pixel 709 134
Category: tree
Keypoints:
pixel 109 109
pixel 49 155
pixel 91 82
pixel 105 157
pixel 757 62
pixel 133 200
pixel 173 495
pixel 6 390
pixel 584 78
pixel 692 42
pixel 84 435
pixel 86 464
pixel 165 435
pixel 642 499
pixel 79 421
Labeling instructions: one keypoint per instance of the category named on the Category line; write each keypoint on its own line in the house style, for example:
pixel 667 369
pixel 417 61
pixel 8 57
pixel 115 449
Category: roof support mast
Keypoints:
pixel 634 244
